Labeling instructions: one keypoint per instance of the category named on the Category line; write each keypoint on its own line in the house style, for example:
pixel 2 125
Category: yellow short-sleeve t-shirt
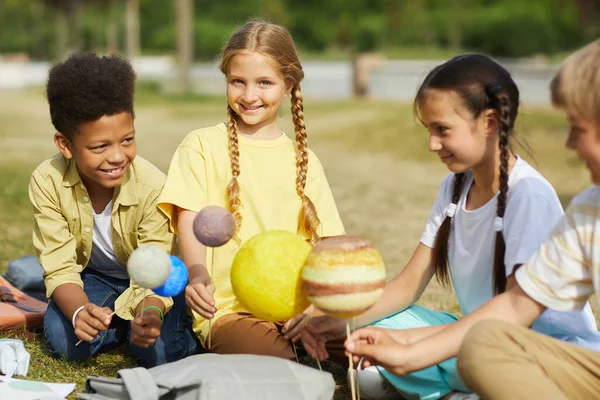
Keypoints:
pixel 198 176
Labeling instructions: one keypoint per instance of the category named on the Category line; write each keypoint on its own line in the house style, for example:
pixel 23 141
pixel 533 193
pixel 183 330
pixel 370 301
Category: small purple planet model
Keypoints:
pixel 214 226
pixel 176 281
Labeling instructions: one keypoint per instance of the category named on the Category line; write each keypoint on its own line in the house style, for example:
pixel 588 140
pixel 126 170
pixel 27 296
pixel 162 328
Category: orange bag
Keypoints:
pixel 18 309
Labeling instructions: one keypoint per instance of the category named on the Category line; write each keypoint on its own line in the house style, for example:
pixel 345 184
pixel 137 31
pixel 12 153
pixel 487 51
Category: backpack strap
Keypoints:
pixel 140 384
pixel 6 296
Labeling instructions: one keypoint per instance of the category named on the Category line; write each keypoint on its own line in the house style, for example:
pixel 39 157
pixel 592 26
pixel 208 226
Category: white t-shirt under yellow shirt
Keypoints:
pixel 198 176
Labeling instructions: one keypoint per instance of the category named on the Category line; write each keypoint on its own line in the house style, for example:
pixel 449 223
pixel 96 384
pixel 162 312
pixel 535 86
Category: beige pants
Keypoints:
pixel 501 361
pixel 241 333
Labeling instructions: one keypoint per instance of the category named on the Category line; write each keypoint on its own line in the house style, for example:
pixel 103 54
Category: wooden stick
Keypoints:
pixel 125 304
pixel 357 380
pixel 319 364
pixel 295 352
pixel 143 304
pixel 350 365
pixel 212 266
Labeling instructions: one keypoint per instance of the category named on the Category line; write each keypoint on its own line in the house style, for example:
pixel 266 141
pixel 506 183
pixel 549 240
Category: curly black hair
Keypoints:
pixel 86 87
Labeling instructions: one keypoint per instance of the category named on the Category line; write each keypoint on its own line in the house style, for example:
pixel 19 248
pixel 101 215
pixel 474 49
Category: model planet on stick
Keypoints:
pixel 149 266
pixel 344 276
pixel 214 226
pixel 176 281
pixel 266 275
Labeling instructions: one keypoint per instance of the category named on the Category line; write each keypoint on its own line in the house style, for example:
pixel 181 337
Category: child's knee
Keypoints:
pixel 62 347
pixel 477 348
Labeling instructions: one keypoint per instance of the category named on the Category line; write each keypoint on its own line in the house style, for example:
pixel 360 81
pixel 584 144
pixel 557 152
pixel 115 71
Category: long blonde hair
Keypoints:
pixel 275 42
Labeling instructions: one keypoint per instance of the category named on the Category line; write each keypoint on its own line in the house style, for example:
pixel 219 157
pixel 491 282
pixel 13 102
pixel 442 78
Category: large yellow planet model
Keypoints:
pixel 266 275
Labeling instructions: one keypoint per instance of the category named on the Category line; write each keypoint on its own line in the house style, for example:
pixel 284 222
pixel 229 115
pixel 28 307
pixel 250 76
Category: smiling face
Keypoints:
pixel 103 150
pixel 460 141
pixel 255 90
pixel 584 139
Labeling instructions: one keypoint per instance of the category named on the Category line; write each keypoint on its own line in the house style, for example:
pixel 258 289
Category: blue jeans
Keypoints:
pixel 176 340
pixel 26 274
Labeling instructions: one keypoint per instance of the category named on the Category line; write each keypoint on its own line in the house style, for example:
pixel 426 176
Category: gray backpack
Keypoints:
pixel 215 377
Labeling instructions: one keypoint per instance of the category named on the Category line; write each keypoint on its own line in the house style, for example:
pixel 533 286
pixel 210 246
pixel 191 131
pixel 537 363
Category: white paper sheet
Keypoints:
pixel 20 389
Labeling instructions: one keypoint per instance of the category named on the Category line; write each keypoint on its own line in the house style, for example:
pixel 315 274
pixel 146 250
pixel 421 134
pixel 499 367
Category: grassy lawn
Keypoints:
pixel 376 158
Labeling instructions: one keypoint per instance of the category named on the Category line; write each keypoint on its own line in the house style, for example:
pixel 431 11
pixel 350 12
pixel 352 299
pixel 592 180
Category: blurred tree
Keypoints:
pixel 393 15
pixel 106 23
pixel 420 12
pixel 37 28
pixel 185 17
pixel 512 28
pixel 344 31
pixel 112 27
pixel 274 11
pixel 589 15
pixel 67 12
pixel 455 24
pixel 132 24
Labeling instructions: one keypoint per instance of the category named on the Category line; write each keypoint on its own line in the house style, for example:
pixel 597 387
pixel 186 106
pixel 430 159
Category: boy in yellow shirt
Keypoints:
pixel 93 204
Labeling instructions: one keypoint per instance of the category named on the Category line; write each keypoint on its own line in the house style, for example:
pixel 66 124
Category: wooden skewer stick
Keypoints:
pixel 295 352
pixel 125 304
pixel 319 364
pixel 350 365
pixel 358 366
pixel 212 266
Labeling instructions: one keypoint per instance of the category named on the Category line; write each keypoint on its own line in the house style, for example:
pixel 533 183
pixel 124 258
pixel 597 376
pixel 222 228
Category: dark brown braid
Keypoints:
pixel 440 252
pixel 502 104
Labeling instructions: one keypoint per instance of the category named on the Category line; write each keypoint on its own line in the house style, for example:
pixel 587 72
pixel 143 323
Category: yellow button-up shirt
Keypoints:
pixel 63 223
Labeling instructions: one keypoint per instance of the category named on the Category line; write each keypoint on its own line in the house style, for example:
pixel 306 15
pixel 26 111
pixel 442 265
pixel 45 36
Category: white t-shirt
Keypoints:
pixel 103 257
pixel 532 210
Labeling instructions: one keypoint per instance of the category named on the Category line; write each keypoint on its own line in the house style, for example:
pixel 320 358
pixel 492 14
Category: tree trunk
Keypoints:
pixel 132 18
pixel 185 16
pixel 75 15
pixel 589 15
pixel 38 50
pixel 112 29
pixel 455 25
pixel 62 34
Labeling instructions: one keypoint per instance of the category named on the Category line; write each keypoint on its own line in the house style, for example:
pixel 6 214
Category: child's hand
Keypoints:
pixel 377 347
pixel 293 327
pixel 91 320
pixel 314 345
pixel 199 295
pixel 329 328
pixel 319 330
pixel 146 329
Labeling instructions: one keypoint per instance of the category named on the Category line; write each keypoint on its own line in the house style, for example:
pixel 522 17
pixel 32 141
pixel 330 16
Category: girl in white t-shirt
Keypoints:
pixel 491 214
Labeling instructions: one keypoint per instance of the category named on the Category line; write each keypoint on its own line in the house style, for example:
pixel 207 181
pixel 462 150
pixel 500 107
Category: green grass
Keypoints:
pixel 382 175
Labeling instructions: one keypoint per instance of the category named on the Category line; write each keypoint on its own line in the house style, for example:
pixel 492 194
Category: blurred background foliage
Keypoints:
pixel 504 28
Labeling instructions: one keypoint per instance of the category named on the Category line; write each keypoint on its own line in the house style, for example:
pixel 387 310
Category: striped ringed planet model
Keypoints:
pixel 344 276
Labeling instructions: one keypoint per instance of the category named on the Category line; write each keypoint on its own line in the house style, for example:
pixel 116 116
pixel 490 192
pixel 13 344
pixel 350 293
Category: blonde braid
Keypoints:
pixel 309 220
pixel 233 188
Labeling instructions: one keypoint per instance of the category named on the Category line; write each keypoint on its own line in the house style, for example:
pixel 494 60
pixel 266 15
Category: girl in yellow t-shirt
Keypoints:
pixel 250 167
